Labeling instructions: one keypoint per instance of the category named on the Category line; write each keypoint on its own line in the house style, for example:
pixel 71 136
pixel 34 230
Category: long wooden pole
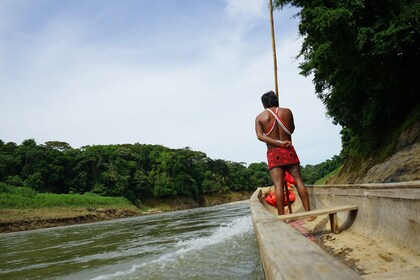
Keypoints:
pixel 273 43
pixel 276 85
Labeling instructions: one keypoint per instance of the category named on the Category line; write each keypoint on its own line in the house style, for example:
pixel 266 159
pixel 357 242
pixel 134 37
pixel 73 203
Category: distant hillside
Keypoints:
pixel 401 164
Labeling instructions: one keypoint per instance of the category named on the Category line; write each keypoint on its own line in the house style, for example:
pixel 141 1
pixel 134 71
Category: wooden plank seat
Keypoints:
pixel 332 212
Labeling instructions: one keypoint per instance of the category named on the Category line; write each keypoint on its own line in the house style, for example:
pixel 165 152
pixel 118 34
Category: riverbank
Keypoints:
pixel 13 220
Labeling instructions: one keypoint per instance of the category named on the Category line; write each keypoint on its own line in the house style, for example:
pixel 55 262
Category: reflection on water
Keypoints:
pixel 206 243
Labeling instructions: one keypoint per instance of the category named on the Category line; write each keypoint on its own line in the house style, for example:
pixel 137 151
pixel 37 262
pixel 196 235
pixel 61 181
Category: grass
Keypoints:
pixel 22 208
pixel 324 179
pixel 12 197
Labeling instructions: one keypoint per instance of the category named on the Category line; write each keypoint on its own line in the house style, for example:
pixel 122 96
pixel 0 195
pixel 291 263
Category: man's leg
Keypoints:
pixel 301 188
pixel 277 175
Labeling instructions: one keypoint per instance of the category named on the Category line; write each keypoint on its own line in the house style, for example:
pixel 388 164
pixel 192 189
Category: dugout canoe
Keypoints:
pixel 379 240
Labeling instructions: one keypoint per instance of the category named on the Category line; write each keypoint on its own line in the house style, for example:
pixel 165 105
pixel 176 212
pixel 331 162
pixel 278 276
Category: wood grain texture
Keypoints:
pixel 317 212
pixel 286 254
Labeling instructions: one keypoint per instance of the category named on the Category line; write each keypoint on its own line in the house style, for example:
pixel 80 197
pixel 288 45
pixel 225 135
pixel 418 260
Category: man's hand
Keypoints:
pixel 283 144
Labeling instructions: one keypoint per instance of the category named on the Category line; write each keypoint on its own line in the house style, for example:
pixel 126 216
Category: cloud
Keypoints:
pixel 245 10
pixel 202 90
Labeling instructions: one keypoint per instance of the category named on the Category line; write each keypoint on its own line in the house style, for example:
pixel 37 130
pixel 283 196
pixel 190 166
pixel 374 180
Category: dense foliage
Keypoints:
pixel 364 59
pixel 133 171
pixel 312 173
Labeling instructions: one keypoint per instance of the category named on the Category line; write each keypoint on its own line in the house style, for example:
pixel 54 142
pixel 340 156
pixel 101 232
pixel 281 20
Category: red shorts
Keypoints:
pixel 282 156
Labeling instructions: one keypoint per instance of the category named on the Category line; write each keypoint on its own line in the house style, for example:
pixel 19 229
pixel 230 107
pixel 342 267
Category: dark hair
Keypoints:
pixel 269 99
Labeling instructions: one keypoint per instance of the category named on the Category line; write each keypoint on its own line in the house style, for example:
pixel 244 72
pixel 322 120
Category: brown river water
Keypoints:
pixel 206 243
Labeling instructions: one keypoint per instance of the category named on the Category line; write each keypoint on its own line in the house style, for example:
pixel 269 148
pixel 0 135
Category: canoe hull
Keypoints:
pixel 387 213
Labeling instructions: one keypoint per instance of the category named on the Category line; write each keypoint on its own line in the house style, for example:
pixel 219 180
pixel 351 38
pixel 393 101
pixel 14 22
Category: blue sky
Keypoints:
pixel 178 73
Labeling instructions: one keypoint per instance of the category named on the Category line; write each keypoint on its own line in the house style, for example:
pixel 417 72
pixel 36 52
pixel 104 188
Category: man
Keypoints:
pixel 275 126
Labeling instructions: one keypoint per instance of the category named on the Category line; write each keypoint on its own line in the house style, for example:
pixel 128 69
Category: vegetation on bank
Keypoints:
pixel 12 197
pixel 362 56
pixel 22 208
pixel 315 174
pixel 136 172
pixel 55 185
pixel 324 180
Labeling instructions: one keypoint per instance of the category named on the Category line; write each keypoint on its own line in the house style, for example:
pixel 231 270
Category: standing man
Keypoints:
pixel 275 126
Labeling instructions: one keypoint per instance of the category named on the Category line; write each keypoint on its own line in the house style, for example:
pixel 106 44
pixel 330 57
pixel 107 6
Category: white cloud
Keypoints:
pixel 84 91
pixel 244 10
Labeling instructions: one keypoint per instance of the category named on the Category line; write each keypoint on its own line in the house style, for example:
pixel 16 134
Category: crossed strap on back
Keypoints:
pixel 280 122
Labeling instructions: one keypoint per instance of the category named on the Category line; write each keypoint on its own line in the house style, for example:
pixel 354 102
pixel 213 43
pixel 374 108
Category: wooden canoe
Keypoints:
pixel 378 233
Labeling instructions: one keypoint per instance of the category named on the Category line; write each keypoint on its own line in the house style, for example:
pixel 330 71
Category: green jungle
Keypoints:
pixel 136 172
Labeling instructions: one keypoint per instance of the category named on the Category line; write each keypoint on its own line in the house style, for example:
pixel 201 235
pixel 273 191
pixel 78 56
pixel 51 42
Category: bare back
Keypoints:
pixel 286 116
pixel 265 119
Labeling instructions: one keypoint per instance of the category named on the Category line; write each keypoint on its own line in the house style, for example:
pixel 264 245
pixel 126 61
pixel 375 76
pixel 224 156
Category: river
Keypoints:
pixel 204 243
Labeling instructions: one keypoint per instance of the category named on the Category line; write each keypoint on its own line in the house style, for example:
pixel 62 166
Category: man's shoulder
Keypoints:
pixel 262 115
pixel 284 110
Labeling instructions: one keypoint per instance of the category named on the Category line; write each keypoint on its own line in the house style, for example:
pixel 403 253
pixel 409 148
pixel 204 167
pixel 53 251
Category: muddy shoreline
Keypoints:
pixel 15 220
pixel 80 216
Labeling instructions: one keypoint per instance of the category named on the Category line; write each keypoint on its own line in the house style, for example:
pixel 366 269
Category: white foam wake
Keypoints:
pixel 224 233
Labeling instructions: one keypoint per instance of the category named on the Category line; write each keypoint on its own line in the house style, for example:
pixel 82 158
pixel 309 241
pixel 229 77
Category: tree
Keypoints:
pixel 142 185
pixel 312 173
pixel 35 182
pixel 14 181
pixel 239 177
pixel 58 145
pixel 363 56
pixel 9 163
pixel 134 171
pixel 29 154
pixel 260 177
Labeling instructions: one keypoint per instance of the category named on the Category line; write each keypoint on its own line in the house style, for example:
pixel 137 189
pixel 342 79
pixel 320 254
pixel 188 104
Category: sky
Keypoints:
pixel 177 73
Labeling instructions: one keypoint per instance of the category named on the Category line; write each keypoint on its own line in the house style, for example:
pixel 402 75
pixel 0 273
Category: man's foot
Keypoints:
pixel 311 218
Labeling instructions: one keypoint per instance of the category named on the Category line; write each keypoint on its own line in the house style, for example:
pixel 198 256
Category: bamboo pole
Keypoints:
pixel 276 86
pixel 273 43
